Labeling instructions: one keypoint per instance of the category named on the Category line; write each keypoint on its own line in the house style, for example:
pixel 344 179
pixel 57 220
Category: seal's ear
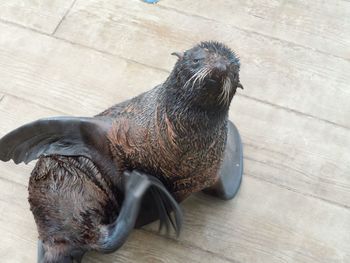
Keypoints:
pixel 180 55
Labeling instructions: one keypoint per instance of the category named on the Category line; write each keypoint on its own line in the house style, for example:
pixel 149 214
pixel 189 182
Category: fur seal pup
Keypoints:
pixel 96 178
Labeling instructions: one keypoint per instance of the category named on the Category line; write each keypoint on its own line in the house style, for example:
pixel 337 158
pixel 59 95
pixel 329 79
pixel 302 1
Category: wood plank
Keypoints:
pixel 18 232
pixel 272 70
pixel 17 226
pixel 36 67
pixel 144 246
pixel 12 115
pixel 304 154
pixel 40 15
pixel 12 111
pixel 320 25
pixel 291 150
pixel 265 223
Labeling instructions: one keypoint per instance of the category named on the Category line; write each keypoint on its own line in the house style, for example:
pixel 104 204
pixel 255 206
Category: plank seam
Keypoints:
pixel 13 182
pixel 167 71
pixel 189 245
pixel 330 202
pixel 80 45
pixel 299 113
pixel 245 157
pixel 163 70
pixel 289 43
pixel 35 103
pixel 64 17
pixel 109 53
pixel 6 22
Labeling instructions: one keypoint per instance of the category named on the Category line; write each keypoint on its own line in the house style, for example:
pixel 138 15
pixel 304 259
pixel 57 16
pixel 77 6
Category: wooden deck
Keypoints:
pixel 77 57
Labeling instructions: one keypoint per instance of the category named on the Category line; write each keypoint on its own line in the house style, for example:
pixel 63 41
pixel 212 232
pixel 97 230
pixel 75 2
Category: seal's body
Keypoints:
pixel 173 138
pixel 177 131
pixel 182 152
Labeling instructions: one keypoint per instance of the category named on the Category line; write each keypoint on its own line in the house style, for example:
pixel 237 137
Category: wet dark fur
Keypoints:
pixel 174 132
pixel 71 198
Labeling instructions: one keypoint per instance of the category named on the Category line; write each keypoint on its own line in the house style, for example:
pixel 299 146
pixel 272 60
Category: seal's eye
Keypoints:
pixel 196 60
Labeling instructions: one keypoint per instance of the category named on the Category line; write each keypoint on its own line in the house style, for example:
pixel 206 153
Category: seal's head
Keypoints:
pixel 208 73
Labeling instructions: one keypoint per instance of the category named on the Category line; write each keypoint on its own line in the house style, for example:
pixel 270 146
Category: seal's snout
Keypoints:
pixel 219 70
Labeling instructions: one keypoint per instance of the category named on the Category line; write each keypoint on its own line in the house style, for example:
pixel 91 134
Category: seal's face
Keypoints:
pixel 211 70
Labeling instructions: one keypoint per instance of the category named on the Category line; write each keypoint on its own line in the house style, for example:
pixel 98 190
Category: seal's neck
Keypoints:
pixel 191 108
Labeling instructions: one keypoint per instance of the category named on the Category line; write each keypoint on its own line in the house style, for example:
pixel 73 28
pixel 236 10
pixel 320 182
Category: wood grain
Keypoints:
pixel 272 70
pixel 293 117
pixel 300 153
pixel 150 247
pixel 39 15
pixel 35 67
pixel 317 25
pixel 264 223
pixel 281 146
pixel 12 115
pixel 17 226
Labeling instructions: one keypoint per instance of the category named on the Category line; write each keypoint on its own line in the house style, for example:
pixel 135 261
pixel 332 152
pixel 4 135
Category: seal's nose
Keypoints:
pixel 219 69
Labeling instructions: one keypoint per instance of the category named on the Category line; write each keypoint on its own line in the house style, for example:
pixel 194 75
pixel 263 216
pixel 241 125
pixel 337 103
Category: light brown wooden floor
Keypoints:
pixel 67 57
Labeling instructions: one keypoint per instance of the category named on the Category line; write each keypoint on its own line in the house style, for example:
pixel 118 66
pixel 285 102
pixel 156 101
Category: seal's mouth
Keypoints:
pixel 212 83
pixel 214 79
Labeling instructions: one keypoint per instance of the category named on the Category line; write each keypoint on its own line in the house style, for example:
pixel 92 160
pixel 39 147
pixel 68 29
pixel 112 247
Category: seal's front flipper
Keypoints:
pixel 136 185
pixel 231 171
pixel 69 136
pixel 41 252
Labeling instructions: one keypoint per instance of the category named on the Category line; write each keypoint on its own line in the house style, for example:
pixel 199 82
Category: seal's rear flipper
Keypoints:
pixel 231 171
pixel 77 256
pixel 153 208
pixel 136 185
pixel 69 136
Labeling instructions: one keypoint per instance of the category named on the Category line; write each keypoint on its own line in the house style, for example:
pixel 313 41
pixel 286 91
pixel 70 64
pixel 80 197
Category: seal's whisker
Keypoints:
pixel 198 76
pixel 224 97
pixel 201 76
pixel 221 96
pixel 195 80
pixel 194 76
pixel 204 75
pixel 189 80
pixel 226 88
pixel 225 91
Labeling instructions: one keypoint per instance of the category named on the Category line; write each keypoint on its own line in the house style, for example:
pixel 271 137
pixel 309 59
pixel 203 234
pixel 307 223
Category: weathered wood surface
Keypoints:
pixel 18 235
pixel 294 118
pixel 273 71
pixel 83 82
pixel 41 15
pixel 318 25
